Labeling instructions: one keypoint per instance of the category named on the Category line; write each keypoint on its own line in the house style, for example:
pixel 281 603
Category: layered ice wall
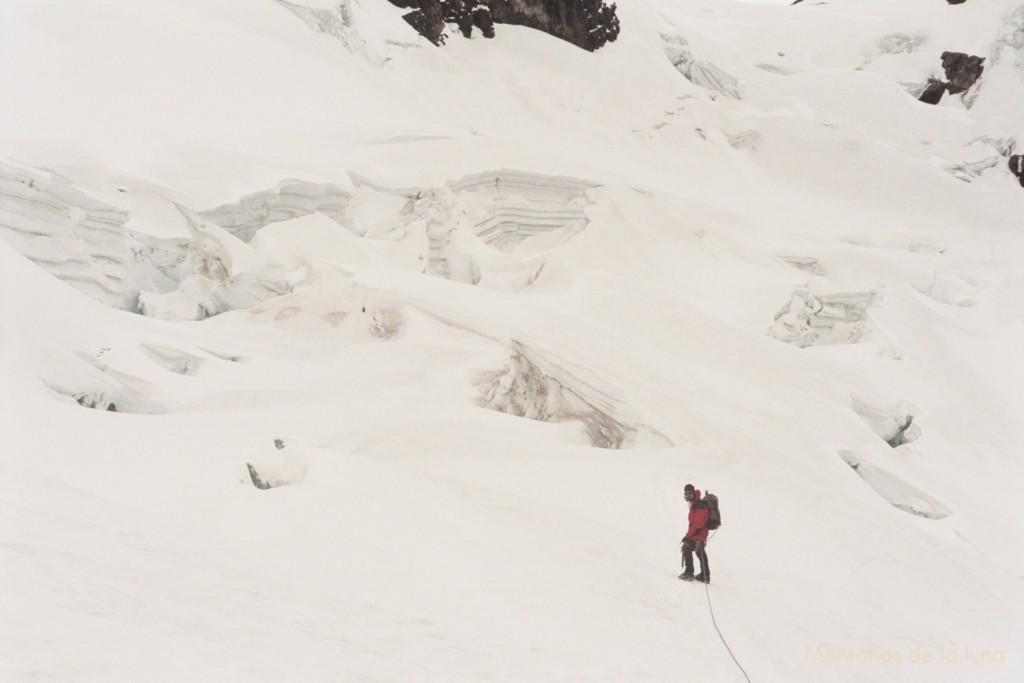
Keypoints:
pixel 85 242
pixel 459 229
pixel 67 232
pixel 538 386
pixel 473 230
pixel 509 207
pixel 290 199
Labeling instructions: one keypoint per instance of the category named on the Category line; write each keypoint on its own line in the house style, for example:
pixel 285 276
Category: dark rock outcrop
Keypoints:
pixel 962 70
pixel 468 16
pixel 956 2
pixel 588 24
pixel 934 92
pixel 257 480
pixel 1017 167
pixel 427 18
pixel 483 19
pixel 278 469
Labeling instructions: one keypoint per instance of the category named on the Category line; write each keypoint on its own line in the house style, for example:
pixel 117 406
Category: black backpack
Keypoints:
pixel 714 516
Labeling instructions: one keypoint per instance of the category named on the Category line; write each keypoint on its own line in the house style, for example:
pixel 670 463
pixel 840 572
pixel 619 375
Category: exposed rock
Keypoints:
pixel 428 19
pixel 1017 167
pixel 933 92
pixel 283 467
pixel 588 24
pixel 257 480
pixel 461 14
pixel 277 470
pixel 96 401
pixel 956 2
pixel 484 20
pixel 962 70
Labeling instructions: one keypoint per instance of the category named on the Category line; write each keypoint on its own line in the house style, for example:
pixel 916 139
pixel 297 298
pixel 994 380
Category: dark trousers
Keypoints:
pixel 688 549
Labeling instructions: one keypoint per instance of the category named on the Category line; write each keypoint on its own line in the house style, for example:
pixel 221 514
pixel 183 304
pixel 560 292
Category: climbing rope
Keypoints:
pixel 707 591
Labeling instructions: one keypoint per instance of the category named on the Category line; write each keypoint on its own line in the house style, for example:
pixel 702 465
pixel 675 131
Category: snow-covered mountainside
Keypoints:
pixel 329 354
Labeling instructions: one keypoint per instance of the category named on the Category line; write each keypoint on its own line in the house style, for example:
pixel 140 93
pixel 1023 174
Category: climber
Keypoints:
pixel 695 538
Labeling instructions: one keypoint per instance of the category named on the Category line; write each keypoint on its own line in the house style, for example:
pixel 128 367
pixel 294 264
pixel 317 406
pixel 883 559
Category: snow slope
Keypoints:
pixel 427 288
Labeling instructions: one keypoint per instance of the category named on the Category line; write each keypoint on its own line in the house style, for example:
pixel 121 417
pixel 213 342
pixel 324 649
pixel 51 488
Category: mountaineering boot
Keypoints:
pixel 686 577
pixel 702 579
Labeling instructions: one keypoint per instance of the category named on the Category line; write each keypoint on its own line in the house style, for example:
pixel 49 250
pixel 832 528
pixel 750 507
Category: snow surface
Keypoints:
pixel 240 234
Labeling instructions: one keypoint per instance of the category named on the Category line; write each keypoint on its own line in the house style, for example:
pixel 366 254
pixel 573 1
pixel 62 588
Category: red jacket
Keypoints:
pixel 698 518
